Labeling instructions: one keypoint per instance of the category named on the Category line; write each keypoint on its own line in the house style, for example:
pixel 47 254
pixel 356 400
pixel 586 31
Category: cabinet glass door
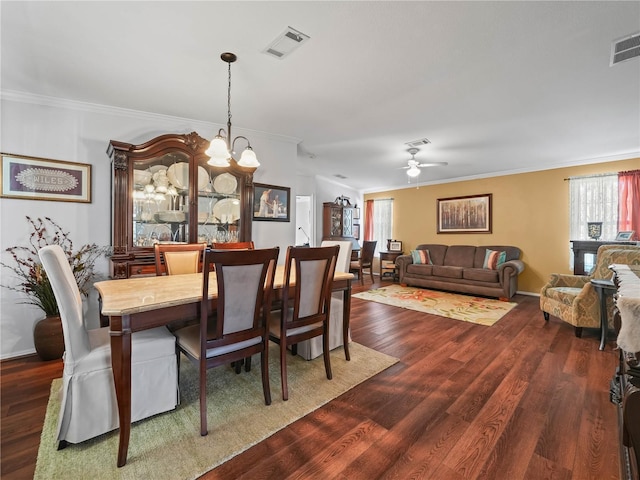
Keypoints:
pixel 219 207
pixel 160 200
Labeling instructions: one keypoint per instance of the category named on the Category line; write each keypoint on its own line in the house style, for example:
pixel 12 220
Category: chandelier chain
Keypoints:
pixel 229 96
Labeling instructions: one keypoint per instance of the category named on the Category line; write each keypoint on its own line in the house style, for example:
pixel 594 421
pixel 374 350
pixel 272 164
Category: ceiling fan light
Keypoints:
pixel 249 159
pixel 413 171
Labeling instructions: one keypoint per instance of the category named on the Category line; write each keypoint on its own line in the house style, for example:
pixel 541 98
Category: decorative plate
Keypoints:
pixel 178 174
pixel 227 210
pixel 203 179
pixel 225 183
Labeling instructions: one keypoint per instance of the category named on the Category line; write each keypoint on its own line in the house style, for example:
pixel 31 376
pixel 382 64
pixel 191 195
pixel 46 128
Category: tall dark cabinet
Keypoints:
pixel 163 191
pixel 337 223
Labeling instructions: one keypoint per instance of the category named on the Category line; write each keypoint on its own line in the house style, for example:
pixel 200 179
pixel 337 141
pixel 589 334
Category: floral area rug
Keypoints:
pixel 483 311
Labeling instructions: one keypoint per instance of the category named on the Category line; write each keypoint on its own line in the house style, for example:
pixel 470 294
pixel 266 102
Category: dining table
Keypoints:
pixel 139 303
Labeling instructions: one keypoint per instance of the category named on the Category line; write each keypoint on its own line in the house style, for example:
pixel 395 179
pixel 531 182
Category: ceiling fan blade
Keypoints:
pixel 433 164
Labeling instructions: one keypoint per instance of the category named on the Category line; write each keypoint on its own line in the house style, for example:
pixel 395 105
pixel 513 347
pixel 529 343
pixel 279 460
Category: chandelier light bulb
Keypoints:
pixel 249 159
pixel 219 161
pixel 217 148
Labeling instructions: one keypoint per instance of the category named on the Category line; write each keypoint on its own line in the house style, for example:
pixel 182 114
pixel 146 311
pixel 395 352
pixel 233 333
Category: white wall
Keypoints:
pixel 62 130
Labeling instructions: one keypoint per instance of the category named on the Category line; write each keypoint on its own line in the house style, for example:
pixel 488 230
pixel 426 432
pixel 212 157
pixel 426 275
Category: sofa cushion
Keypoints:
pixel 493 259
pixel 447 271
pixel 421 256
pixel 480 275
pixel 436 252
pixel 419 269
pixel 460 256
pixel 512 253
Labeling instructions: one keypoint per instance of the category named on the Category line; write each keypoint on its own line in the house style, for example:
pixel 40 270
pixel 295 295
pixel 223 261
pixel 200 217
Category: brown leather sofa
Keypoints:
pixel 459 268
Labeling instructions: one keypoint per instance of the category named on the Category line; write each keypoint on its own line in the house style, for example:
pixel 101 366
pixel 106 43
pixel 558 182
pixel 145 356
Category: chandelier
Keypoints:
pixel 222 147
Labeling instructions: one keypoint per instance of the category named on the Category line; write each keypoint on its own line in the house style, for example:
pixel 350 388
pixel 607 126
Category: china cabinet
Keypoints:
pixel 337 224
pixel 163 191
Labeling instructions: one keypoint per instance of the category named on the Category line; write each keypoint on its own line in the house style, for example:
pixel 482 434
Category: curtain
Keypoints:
pixel 629 202
pixel 368 220
pixel 382 222
pixel 593 199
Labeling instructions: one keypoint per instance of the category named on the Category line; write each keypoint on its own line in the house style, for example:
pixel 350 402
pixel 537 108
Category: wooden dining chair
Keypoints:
pixel 233 246
pixel 338 331
pixel 178 258
pixel 88 407
pixel 365 260
pixel 307 314
pixel 239 327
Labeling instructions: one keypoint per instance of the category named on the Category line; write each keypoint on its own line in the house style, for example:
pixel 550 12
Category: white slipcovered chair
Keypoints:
pixel 89 407
pixel 312 348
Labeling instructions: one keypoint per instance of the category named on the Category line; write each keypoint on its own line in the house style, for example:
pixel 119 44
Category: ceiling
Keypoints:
pixel 497 87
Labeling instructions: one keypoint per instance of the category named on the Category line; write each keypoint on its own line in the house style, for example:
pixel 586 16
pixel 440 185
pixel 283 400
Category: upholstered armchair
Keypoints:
pixel 573 299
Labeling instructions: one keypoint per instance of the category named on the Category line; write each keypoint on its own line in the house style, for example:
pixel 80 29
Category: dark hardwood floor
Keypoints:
pixel 523 399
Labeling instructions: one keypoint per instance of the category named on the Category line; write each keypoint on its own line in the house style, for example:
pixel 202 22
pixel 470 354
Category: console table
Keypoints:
pixel 625 385
pixel 583 247
pixel 386 259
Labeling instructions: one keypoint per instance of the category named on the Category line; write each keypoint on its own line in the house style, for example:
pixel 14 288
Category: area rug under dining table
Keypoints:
pixel 169 446
pixel 468 308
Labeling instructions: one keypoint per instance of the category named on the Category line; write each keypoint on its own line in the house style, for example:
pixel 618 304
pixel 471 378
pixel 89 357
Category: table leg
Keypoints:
pixel 603 317
pixel 121 366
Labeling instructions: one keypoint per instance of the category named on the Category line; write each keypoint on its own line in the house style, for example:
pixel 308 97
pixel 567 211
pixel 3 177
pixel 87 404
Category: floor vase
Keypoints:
pixel 48 339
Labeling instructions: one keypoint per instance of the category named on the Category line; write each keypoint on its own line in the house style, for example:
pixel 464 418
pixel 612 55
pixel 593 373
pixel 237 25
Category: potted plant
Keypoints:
pixel 32 280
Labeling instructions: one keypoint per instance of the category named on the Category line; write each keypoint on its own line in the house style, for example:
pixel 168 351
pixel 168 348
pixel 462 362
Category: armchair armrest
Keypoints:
pixel 565 280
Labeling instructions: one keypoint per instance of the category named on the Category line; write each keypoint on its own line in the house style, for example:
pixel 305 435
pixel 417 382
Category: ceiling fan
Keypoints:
pixel 413 165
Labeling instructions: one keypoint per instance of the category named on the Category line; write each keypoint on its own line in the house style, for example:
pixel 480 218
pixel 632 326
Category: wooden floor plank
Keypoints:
pixel 523 399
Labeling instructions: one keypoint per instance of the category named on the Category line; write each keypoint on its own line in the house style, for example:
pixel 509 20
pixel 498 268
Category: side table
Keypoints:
pixel 603 288
pixel 389 257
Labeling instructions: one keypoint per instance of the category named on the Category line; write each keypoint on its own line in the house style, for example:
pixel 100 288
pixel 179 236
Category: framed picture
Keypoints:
pixel 470 214
pixel 395 246
pixel 32 178
pixel 271 203
pixel 624 236
pixel 356 231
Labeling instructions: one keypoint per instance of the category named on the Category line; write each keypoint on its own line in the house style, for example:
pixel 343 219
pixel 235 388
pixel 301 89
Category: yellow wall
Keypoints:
pixel 530 211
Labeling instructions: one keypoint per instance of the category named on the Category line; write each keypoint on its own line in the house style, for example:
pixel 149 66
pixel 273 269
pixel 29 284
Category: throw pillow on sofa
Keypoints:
pixel 421 256
pixel 493 259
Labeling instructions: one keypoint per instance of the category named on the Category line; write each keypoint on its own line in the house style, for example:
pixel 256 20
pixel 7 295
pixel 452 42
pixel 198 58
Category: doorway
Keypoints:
pixel 304 220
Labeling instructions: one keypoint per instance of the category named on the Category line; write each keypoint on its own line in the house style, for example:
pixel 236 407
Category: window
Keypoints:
pixel 382 222
pixel 593 199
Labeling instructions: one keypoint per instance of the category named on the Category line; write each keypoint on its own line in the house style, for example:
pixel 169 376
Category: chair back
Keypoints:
pixel 610 254
pixel 366 254
pixel 178 258
pixel 344 256
pixel 314 270
pixel 233 246
pixel 245 285
pixel 67 293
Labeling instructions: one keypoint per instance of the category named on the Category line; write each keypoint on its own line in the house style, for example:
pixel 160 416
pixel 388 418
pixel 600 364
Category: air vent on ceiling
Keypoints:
pixel 625 48
pixel 286 43
pixel 418 143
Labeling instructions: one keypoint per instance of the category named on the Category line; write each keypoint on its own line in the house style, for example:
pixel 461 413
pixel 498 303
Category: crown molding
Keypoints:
pixel 65 103
pixel 502 173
